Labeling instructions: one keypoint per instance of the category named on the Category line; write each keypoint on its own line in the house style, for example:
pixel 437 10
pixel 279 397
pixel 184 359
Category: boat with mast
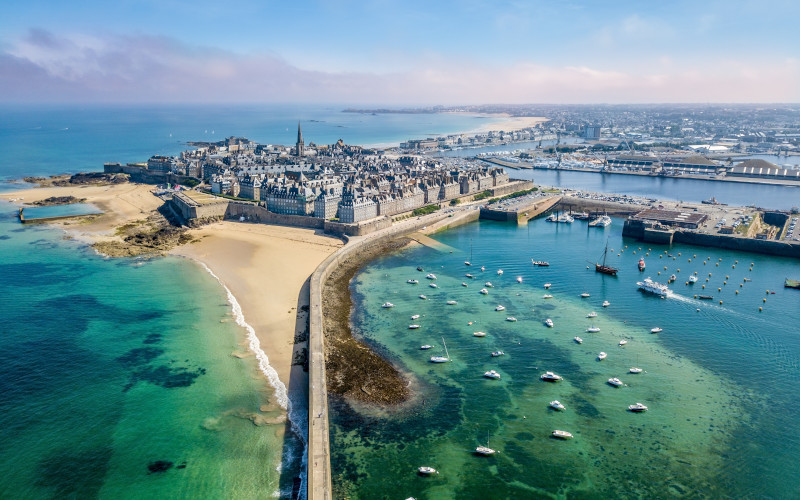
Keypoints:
pixel 603 268
pixel 441 359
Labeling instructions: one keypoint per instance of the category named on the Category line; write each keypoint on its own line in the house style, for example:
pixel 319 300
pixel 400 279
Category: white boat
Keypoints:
pixel 412 282
pixel 638 407
pixel 469 276
pixel 488 284
pixel 484 291
pixel 479 334
pixel 452 302
pixel 497 354
pixel 500 308
pixel 592 315
pixel 512 319
pixel 467 263
pixel 561 434
pixel 623 342
pixel 552 218
pixel 602 221
pixel 483 268
pixel 423 297
pixel 578 340
pixel 606 303
pixel 693 279
pixel 547 285
pixel 556 405
pixel 656 330
pixel 413 327
pixel 615 382
pixel 651 286
pixel 463 284
pixel 593 329
pixel 565 219
pixel 673 277
pixel 550 377
pixel 519 279
pixel 547 296
pixel 441 359
pixel 425 347
pixel 416 316
pixel 584 295
pixel 485 451
pixel 427 471
pixel 548 323
pixel 431 276
pixel 433 285
pixel 635 369
pixel 492 374
pixel 601 356
pixel 387 305
pixel 499 271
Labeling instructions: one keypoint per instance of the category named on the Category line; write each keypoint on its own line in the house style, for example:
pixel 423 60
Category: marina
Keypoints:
pixel 699 417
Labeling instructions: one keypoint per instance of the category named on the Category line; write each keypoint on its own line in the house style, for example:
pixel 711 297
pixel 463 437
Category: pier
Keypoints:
pixel 521 209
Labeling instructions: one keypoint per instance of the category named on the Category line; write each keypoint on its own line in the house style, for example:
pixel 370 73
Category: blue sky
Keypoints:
pixel 400 52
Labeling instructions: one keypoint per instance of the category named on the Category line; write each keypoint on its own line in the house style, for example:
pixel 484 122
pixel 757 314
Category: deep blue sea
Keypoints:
pixel 719 380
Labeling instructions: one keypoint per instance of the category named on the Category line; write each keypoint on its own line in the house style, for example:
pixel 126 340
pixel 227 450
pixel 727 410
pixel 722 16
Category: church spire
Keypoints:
pixel 300 144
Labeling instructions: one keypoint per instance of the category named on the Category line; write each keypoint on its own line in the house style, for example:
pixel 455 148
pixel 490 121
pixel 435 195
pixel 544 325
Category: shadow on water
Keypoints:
pixel 292 468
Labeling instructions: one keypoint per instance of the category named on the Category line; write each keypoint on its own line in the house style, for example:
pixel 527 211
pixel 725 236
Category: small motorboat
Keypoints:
pixel 592 315
pixel 622 342
pixel 550 377
pixel 547 296
pixel 499 272
pixel 585 295
pixel 705 297
pixel 615 382
pixel 412 282
pixel 547 285
pixel 561 434
pixel 467 263
pixel 500 308
pixel 497 354
pixel 469 276
pixel 452 302
pixel 425 347
pixel 593 329
pixel 512 319
pixel 548 323
pixel 556 405
pixel 492 374
pixel 488 284
pixel 431 276
pixel 427 471
pixel 484 291
pixel 519 279
pixel 606 303
pixel 673 277
pixel 635 369
pixel 693 279
pixel 433 285
pixel 387 305
pixel 416 316
pixel 637 408
pixel 483 268
pixel 419 268
pixel 423 297
pixel 578 340
pixel 656 330
pixel 479 334
pixel 413 327
pixel 601 356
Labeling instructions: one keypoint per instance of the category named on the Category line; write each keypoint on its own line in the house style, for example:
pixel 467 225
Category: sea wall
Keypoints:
pixel 319 461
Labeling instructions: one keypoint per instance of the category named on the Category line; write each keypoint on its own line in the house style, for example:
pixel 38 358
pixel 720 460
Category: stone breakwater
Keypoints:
pixel 354 254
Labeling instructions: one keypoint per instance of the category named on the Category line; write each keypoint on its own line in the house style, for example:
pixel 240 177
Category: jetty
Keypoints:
pixel 520 210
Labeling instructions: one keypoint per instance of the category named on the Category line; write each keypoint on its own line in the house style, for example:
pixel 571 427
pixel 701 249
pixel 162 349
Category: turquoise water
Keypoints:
pixel 719 381
pixel 60 210
pixel 109 366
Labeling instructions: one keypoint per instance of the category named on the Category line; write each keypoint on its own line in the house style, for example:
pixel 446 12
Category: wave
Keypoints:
pixel 296 412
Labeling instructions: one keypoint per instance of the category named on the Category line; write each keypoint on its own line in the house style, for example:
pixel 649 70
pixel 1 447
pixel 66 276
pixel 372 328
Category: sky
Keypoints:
pixel 399 52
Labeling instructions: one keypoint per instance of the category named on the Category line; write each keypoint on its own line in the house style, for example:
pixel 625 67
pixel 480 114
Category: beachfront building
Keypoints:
pixel 326 206
pixel 356 208
pixel 292 199
pixel 250 187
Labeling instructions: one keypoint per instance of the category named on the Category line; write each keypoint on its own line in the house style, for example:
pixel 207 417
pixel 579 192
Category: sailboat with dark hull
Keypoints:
pixel 603 268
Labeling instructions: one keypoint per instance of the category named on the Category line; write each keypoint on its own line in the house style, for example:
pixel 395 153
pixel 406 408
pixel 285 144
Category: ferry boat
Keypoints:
pixel 387 305
pixel 556 405
pixel 412 282
pixel 641 264
pixel 615 382
pixel 550 377
pixel 492 374
pixel 561 434
pixel 637 408
pixel 651 286
pixel 603 221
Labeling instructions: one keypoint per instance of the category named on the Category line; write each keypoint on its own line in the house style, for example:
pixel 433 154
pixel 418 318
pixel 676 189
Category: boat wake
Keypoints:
pixel 297 414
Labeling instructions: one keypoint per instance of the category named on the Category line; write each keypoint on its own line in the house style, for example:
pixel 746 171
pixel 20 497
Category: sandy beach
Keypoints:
pixel 267 269
pixel 508 123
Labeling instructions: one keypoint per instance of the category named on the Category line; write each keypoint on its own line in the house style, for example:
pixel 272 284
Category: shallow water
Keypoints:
pixel 711 429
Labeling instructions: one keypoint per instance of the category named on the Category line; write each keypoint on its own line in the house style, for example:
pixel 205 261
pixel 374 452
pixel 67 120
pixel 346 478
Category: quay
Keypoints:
pixel 520 209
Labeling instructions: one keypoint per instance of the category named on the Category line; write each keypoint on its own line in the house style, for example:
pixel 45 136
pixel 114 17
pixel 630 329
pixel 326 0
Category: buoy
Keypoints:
pixel 709 274
pixel 698 309
pixel 733 266
pixel 767 291
pixel 752 264
pixel 679 254
pixel 724 282
pixel 665 268
pixel 704 287
pixel 674 258
pixel 763 300
pixel 687 282
pixel 720 259
pixel 660 256
pixel 719 289
pixel 690 260
pixel 727 277
pixel 740 285
pixel 626 246
pixel 704 263
pixel 659 273
pixel 695 296
pixel 760 309
pixel 694 256
pixel 737 292
pixel 720 302
pixel 634 252
pixel 717 264
pixel 735 261
pixel 647 254
pixel 678 271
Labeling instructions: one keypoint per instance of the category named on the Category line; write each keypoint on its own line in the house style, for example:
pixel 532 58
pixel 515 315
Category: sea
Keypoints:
pixel 138 378
pixel 718 380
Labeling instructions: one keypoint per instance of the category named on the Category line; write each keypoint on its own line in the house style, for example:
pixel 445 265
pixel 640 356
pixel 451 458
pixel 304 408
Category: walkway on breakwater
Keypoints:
pixel 319 458
pixel 520 209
